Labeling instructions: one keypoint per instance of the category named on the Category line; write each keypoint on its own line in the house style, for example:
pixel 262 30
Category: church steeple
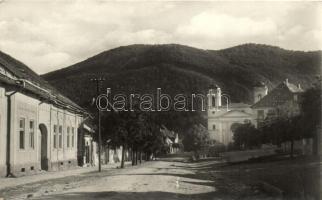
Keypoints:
pixel 218 97
pixel 214 99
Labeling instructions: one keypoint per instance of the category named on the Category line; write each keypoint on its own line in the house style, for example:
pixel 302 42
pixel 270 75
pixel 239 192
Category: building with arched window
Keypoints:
pixel 38 125
pixel 222 119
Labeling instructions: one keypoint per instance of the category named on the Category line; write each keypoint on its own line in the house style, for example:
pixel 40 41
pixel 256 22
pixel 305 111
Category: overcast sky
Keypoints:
pixel 55 34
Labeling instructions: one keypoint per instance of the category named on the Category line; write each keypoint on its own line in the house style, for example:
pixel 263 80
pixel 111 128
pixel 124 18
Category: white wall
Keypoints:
pixel 31 108
pixel 223 124
pixel 27 108
pixel 65 119
pixel 3 131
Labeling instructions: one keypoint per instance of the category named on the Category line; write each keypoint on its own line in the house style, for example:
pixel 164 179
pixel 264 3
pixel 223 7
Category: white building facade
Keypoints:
pixel 38 125
pixel 223 119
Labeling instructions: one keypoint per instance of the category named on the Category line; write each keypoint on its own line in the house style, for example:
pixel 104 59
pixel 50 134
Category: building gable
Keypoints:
pixel 235 114
pixel 283 93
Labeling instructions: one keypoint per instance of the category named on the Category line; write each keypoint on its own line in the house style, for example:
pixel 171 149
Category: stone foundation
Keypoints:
pixel 3 170
pixel 34 168
pixel 63 165
pixel 25 169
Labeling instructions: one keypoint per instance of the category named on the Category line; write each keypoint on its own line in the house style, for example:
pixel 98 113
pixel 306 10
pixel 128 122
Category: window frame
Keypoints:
pixel 22 146
pixel 55 128
pixel 32 134
pixel 68 137
pixel 73 137
pixel 60 137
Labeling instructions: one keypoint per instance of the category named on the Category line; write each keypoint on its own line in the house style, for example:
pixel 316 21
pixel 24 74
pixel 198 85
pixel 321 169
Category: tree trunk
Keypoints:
pixel 292 148
pixel 140 157
pixel 133 158
pixel 123 156
pixel 147 156
pixel 136 157
pixel 108 154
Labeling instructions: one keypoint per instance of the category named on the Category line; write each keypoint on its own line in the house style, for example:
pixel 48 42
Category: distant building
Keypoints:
pixel 171 139
pixel 284 97
pixel 223 119
pixel 86 151
pixel 38 125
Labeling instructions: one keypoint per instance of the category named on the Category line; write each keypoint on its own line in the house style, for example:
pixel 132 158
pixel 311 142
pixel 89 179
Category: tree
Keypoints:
pixel 196 139
pixel 311 109
pixel 246 136
pixel 138 131
pixel 310 118
pixel 295 121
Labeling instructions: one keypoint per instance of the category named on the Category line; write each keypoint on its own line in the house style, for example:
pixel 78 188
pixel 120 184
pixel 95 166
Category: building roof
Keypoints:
pixel 17 74
pixel 259 84
pixel 239 105
pixel 278 96
pixel 231 113
pixel 235 105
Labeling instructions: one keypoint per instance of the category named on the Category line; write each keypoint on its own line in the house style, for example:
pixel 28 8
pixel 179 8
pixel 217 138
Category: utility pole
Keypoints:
pixel 98 81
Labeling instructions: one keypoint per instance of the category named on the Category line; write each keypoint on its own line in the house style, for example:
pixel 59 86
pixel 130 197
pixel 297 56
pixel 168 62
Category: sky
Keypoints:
pixel 49 35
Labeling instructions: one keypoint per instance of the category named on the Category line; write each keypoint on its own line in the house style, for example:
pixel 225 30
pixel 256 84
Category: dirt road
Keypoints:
pixel 163 179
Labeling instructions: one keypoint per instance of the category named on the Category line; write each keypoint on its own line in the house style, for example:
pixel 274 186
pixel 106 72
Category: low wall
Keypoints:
pixel 304 146
pixel 239 156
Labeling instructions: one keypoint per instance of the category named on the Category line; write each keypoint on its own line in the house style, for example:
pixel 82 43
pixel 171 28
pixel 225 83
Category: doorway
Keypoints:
pixel 43 148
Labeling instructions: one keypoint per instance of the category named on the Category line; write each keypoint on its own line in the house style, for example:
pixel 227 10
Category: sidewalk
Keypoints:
pixel 13 182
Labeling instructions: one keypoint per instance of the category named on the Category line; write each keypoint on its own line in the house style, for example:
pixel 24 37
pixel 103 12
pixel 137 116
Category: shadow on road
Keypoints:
pixel 131 196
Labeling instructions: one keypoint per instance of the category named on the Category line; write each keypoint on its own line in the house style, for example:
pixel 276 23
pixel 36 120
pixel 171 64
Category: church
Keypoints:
pixel 224 118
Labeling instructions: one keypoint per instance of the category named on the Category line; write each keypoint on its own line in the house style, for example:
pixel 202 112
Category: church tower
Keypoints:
pixel 260 90
pixel 218 96
pixel 211 95
pixel 214 99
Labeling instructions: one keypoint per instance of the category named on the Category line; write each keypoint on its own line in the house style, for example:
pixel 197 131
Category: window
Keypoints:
pixel 22 133
pixel 32 134
pixel 295 97
pixel 73 136
pixel 55 136
pixel 68 136
pixel 60 137
pixel 214 127
pixel 260 114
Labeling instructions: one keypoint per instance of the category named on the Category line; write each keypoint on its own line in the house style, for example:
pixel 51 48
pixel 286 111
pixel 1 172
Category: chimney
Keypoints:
pixel 286 81
pixel 299 86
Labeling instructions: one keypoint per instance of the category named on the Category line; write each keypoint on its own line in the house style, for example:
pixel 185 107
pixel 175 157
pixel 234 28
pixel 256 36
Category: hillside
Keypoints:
pixel 182 69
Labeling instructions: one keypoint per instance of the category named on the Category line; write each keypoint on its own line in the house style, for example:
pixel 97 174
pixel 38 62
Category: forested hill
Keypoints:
pixel 183 69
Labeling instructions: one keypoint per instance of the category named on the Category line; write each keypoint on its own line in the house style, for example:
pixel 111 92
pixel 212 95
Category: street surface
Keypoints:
pixel 163 179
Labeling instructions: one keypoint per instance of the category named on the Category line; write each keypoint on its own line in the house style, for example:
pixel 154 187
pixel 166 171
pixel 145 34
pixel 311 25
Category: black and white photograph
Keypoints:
pixel 160 100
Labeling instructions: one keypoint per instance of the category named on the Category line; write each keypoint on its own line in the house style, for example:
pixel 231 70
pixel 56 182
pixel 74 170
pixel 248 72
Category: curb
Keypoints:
pixel 271 189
